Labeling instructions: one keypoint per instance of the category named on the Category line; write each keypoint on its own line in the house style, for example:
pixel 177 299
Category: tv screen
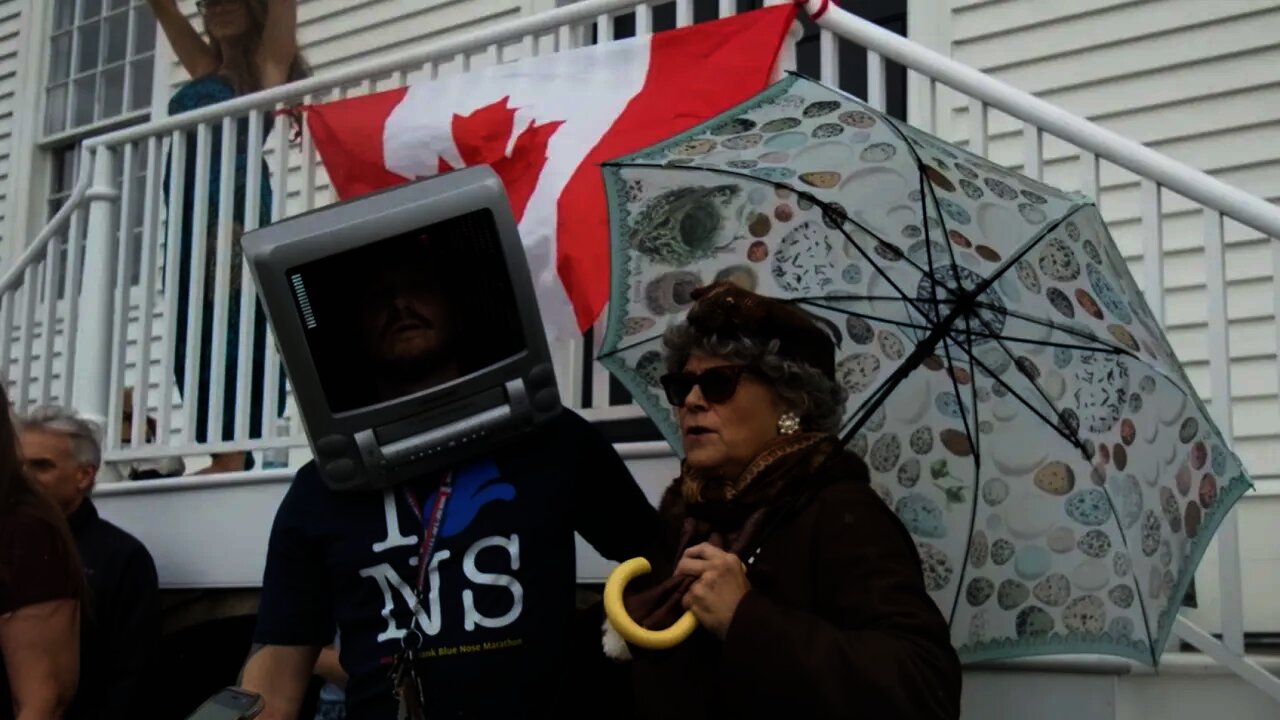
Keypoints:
pixel 409 312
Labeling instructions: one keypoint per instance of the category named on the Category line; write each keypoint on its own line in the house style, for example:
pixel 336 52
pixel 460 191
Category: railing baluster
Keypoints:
pixel 1275 299
pixel 1228 536
pixel 572 385
pixel 829 58
pixel 876 97
pixel 31 279
pixel 1153 249
pixel 1090 182
pixel 930 112
pixel 1033 151
pixel 271 383
pixel 644 19
pixel 308 151
pixel 91 388
pixel 71 289
pixel 222 283
pixel 599 373
pixel 120 320
pixel 248 299
pixel 173 238
pixel 684 13
pixel 147 293
pixel 728 7
pixel 530 46
pixel 195 305
pixel 604 28
pixel 7 300
pixel 49 321
pixel 977 127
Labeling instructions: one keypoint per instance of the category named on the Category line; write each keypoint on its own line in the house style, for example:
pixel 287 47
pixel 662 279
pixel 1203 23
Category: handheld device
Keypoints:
pixel 231 703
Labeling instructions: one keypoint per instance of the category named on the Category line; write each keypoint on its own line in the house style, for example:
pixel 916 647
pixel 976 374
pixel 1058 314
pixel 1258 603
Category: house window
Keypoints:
pixel 101 62
pixel 66 168
pixel 100 68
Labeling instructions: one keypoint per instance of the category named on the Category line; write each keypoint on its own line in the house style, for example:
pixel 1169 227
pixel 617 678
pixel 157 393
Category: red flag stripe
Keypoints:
pixel 741 50
pixel 353 155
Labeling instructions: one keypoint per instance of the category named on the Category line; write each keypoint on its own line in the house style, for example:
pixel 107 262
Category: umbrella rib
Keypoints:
pixel 926 190
pixel 1047 343
pixel 1034 383
pixel 1031 244
pixel 975 444
pixel 1102 342
pixel 1074 440
pixel 866 316
pixel 1133 575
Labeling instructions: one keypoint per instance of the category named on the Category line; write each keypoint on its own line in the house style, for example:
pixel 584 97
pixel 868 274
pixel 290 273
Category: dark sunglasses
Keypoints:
pixel 718 384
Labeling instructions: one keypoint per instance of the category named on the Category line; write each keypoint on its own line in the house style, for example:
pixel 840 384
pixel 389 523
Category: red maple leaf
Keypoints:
pixel 482 139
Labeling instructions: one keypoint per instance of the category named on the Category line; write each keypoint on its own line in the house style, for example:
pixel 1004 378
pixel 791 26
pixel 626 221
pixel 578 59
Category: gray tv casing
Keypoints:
pixel 377 446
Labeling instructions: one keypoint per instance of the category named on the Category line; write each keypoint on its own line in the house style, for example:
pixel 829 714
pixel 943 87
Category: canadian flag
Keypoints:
pixel 544 124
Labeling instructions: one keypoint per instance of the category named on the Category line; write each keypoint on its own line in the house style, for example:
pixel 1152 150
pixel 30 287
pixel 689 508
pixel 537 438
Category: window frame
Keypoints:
pixel 136 73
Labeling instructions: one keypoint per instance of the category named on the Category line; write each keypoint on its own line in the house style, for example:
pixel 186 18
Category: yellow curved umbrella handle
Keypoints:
pixel 629 629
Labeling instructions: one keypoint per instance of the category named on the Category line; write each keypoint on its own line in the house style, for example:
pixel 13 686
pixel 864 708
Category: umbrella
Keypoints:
pixel 1016 401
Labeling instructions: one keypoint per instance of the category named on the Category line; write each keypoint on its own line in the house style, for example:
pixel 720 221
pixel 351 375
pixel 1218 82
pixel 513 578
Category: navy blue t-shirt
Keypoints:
pixel 499 594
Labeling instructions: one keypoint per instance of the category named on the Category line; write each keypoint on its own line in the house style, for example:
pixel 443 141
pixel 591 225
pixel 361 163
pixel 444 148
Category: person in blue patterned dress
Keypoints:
pixel 251 45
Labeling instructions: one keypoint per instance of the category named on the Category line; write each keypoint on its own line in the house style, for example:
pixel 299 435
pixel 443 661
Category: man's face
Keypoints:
pixel 403 320
pixel 49 459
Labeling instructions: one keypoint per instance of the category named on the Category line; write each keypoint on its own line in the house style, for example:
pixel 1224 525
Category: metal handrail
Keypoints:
pixel 1105 144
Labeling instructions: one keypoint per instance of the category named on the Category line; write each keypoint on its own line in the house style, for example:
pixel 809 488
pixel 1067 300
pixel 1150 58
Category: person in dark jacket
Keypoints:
pixel 121 630
pixel 807 589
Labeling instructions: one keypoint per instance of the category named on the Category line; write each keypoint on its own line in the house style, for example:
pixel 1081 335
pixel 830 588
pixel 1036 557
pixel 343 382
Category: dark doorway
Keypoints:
pixel 889 14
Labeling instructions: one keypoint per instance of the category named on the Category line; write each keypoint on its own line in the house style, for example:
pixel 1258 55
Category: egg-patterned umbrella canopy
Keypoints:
pixel 1016 401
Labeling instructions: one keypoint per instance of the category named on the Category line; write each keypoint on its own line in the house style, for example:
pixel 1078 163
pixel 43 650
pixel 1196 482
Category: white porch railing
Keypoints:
pixel 75 328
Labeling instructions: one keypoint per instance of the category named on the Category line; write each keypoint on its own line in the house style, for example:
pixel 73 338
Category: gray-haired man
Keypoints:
pixel 119 637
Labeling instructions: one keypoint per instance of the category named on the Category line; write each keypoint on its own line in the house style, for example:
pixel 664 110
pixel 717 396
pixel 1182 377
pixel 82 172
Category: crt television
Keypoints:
pixel 408 326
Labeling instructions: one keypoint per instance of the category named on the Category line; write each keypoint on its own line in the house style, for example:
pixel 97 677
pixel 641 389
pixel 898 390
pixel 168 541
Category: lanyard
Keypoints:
pixel 431 521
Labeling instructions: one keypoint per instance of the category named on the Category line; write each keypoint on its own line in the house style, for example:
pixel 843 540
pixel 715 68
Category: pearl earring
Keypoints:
pixel 788 424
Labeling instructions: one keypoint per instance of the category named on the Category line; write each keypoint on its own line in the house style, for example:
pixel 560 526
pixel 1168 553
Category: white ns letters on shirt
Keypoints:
pixel 471 617
pixel 428 619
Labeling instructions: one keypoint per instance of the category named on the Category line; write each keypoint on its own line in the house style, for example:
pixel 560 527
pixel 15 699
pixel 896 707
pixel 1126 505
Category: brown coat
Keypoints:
pixel 837 623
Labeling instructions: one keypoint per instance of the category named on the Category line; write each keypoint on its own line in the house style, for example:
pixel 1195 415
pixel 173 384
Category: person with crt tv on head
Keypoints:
pixel 488 615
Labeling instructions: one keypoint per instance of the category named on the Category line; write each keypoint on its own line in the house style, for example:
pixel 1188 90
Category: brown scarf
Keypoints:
pixel 727 515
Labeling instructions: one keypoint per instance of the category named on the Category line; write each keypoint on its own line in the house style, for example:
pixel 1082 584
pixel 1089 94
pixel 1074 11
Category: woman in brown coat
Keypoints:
pixel 807 588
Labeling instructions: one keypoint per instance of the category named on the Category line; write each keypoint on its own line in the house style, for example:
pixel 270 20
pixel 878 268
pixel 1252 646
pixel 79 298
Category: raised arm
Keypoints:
pixel 196 56
pixel 40 644
pixel 279 42
pixel 280 674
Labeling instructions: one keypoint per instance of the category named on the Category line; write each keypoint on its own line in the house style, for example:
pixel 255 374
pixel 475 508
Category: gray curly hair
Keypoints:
pixel 802 389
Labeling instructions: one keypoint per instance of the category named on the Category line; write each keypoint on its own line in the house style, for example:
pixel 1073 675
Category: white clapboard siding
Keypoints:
pixel 11 19
pixel 1198 81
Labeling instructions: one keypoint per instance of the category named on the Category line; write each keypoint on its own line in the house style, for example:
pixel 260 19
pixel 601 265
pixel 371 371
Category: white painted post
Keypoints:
pixel 1153 248
pixel 1232 601
pixel 977 127
pixel 91 386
